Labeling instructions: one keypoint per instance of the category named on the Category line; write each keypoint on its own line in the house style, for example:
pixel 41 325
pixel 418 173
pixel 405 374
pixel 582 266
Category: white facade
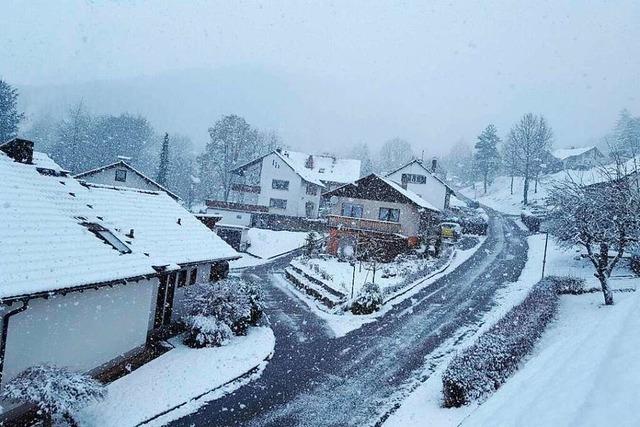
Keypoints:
pixel 80 330
pixel 429 188
pixel 296 200
pixel 231 217
pixel 291 183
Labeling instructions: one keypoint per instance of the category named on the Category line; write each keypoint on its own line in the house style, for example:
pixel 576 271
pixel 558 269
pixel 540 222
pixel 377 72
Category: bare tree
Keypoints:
pixel 529 140
pixel 601 217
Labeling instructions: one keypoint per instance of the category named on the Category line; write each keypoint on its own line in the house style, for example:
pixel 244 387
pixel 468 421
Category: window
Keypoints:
pixel 321 170
pixel 182 278
pixel 278 203
pixel 193 276
pixel 352 210
pixel 279 184
pixel 312 189
pixel 107 236
pixel 413 178
pixel 388 214
pixel 121 175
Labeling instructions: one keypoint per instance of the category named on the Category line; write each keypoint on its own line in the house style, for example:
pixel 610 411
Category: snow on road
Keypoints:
pixel 424 404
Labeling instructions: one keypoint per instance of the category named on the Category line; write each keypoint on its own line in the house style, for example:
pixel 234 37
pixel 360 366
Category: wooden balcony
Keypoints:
pixel 364 224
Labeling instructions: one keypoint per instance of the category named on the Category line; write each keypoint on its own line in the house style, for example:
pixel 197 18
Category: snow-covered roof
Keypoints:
pixel 409 194
pixel 161 227
pixel 565 153
pixel 421 164
pixel 324 168
pixel 44 245
pixel 122 163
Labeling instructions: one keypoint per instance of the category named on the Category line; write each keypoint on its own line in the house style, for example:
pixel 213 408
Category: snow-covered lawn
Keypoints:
pixel 178 377
pixel 499 195
pixel 343 322
pixel 586 371
pixel 267 244
pixel 578 374
pixel 339 275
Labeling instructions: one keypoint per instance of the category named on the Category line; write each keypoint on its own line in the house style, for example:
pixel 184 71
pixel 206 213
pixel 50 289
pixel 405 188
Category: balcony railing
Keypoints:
pixel 244 188
pixel 364 224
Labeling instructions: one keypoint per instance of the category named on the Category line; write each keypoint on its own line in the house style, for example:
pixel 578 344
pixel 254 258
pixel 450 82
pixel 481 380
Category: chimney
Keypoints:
pixel 434 165
pixel 20 150
pixel 309 163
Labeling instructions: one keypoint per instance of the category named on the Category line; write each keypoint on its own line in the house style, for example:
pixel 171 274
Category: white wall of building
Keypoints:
pixel 108 177
pixel 433 191
pixel 80 330
pixel 273 167
pixel 231 217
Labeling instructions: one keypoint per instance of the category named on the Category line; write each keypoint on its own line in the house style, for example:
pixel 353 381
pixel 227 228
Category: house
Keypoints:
pixel 416 177
pixel 581 158
pixel 122 174
pixel 290 183
pixel 89 273
pixel 377 214
pixel 232 221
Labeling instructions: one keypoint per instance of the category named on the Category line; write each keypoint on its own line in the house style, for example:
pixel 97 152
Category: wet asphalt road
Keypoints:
pixel 316 380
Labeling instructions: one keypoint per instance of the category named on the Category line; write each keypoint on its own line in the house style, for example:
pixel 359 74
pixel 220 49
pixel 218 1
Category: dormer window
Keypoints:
pixel 121 175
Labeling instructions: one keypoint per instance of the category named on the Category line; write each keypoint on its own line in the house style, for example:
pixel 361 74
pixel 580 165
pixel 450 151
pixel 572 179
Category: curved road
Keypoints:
pixel 316 380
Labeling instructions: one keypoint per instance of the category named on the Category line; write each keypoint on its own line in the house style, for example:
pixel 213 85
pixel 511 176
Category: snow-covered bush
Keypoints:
pixel 568 284
pixel 206 331
pixel 58 393
pixel 368 300
pixel 234 302
pixel 483 367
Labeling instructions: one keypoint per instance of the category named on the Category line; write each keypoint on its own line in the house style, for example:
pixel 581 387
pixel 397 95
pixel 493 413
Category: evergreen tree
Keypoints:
pixel 486 158
pixel 163 168
pixel 72 147
pixel 10 118
pixel 361 152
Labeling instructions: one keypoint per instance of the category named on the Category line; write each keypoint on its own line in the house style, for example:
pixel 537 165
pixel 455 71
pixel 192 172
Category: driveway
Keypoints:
pixel 316 380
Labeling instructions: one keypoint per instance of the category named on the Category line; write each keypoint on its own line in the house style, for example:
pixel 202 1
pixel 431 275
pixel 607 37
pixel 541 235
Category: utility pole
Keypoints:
pixel 353 278
pixel 544 258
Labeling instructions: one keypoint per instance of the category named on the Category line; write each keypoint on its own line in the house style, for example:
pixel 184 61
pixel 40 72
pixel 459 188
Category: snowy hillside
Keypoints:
pixel 499 195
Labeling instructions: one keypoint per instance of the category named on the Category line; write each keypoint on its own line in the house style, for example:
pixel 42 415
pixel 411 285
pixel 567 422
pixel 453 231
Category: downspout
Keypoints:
pixel 5 332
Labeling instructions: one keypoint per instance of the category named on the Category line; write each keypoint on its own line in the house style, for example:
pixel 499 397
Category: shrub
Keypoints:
pixel 483 367
pixel 368 300
pixel 235 302
pixel 203 331
pixel 568 285
pixel 531 222
pixel 57 392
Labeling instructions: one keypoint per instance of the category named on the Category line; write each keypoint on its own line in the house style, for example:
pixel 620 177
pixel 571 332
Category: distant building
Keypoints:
pixel 122 174
pixel 289 182
pixel 581 158
pixel 231 221
pixel 415 176
pixel 377 214
pixel 90 273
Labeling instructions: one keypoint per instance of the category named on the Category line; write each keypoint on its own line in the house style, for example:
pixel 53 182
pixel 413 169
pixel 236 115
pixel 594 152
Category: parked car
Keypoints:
pixel 473 204
pixel 450 230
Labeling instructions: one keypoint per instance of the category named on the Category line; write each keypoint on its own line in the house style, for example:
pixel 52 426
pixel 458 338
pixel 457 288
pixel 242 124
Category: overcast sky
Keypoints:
pixel 349 71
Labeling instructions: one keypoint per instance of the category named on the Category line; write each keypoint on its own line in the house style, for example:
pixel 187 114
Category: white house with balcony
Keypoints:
pixel 289 182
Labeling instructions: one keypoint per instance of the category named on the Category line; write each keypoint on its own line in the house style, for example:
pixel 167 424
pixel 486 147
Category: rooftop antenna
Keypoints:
pixel 422 157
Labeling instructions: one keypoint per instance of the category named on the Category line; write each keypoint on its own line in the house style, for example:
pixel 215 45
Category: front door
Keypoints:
pixel 164 302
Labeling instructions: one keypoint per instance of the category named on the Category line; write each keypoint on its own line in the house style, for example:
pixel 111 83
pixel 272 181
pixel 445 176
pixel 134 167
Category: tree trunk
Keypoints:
pixel 485 182
pixel 602 274
pixel 512 185
pixel 525 198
